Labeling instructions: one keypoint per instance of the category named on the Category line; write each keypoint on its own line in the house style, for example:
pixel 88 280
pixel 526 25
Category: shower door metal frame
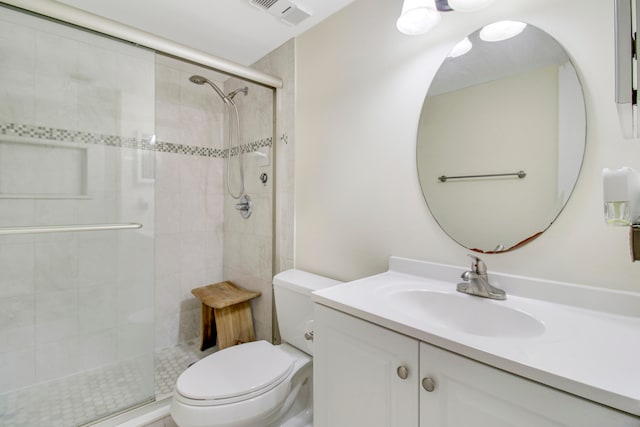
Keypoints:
pixel 92 22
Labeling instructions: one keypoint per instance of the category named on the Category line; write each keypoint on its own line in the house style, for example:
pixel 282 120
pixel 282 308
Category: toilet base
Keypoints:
pixel 300 414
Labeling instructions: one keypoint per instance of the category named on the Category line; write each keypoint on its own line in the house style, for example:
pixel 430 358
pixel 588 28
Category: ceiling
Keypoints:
pixel 231 29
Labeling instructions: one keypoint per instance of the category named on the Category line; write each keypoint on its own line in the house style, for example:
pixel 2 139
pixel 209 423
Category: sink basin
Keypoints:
pixel 466 313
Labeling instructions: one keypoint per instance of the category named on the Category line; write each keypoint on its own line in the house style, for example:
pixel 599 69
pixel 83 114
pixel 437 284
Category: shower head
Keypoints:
pixel 199 80
pixel 244 90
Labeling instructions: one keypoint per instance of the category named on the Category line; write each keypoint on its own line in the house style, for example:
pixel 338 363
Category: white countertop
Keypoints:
pixel 590 346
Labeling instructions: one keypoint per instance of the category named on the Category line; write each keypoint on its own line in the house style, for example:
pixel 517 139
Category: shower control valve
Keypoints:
pixel 245 206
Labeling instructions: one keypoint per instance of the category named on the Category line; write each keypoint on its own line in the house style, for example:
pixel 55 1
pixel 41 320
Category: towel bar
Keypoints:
pixel 37 229
pixel 519 174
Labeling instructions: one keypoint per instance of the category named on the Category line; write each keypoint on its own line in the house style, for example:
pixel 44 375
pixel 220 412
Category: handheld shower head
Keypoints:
pixel 228 100
pixel 199 80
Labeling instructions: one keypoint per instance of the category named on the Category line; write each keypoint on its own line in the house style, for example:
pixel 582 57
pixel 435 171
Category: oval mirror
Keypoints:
pixel 501 139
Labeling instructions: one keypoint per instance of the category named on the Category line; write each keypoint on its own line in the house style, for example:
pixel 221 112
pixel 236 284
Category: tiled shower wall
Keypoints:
pixel 70 302
pixel 189 198
pixel 248 242
pixel 201 237
pixel 189 201
pixel 281 62
pixel 251 245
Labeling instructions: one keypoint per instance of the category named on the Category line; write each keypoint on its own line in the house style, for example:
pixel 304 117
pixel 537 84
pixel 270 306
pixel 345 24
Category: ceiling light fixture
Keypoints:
pixel 461 48
pixel 417 17
pixel 469 5
pixel 443 5
pixel 501 30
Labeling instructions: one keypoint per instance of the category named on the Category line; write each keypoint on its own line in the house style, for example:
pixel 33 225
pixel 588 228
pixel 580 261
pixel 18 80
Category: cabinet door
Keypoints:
pixel 355 370
pixel 468 393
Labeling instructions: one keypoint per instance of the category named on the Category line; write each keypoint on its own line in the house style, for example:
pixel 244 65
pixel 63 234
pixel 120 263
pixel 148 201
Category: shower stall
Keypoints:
pixel 113 206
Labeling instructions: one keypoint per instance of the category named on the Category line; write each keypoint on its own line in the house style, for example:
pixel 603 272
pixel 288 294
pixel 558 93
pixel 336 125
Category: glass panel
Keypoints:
pixel 76 308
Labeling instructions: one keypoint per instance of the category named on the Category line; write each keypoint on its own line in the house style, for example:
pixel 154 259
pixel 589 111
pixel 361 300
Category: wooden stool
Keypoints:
pixel 225 308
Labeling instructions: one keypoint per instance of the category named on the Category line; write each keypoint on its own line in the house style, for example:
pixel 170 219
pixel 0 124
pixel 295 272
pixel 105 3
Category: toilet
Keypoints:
pixel 257 384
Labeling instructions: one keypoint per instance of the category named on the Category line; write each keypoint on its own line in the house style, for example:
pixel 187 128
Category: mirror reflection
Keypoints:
pixel 504 124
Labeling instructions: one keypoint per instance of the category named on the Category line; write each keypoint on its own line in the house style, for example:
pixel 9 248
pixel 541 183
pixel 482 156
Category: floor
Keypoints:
pixel 171 362
pixel 73 400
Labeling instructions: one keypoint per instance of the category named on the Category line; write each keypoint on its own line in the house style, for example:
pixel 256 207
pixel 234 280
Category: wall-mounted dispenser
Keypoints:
pixel 626 12
pixel 621 193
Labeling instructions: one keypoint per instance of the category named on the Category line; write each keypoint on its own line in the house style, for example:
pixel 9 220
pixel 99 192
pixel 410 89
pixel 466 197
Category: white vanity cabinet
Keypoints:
pixel 366 375
pixel 356 377
pixel 469 393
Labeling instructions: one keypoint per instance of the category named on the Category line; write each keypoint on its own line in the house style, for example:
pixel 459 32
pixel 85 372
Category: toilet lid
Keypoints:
pixel 235 371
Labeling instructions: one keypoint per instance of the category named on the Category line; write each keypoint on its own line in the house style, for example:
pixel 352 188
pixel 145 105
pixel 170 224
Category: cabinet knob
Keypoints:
pixel 403 372
pixel 428 384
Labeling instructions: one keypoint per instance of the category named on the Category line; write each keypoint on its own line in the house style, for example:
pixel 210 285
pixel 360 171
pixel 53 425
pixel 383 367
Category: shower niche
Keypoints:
pixel 32 168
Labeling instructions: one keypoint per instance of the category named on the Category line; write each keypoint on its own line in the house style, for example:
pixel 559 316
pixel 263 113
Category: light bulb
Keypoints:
pixel 417 17
pixel 461 48
pixel 469 5
pixel 501 30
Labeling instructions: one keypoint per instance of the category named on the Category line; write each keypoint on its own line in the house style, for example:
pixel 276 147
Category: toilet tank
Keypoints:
pixel 292 290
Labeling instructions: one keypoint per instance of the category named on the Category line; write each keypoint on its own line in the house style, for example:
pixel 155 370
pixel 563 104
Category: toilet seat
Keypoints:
pixel 236 374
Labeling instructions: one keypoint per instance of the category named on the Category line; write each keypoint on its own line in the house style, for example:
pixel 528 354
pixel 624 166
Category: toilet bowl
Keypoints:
pixel 257 384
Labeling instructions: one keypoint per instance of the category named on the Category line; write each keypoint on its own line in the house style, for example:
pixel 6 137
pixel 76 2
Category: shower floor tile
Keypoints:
pixel 73 400
pixel 172 361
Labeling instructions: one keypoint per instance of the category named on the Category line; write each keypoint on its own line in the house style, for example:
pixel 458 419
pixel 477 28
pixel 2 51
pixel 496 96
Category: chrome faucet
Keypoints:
pixel 477 283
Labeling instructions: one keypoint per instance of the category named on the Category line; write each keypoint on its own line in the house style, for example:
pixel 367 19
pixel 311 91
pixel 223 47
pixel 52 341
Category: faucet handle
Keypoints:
pixel 468 276
pixel 478 266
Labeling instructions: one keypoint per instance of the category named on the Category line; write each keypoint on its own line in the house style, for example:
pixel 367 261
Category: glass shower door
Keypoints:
pixel 76 224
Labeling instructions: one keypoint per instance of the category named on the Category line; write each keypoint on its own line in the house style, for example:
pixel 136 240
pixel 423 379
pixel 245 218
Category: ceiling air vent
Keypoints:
pixel 284 10
pixel 263 4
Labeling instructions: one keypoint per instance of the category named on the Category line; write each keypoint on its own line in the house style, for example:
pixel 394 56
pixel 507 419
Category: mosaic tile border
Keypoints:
pixel 190 150
pixel 65 135
pixel 251 147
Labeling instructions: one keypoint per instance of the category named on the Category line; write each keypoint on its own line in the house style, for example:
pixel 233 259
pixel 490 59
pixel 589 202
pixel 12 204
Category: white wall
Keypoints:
pixel 360 88
pixel 253 253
